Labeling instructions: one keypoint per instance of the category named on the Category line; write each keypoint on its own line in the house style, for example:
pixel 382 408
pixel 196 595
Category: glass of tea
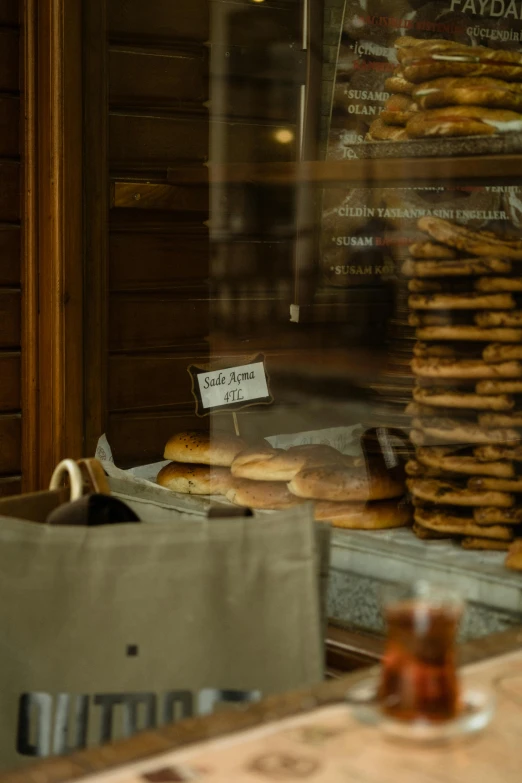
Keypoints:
pixel 419 681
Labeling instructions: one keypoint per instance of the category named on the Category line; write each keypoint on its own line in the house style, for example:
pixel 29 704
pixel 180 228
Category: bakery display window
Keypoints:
pixel 392 333
pixel 306 283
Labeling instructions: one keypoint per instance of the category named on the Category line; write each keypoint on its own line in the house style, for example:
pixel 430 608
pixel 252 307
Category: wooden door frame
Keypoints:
pixel 52 341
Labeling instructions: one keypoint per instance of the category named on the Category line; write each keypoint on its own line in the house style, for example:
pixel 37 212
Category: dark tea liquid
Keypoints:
pixel 419 678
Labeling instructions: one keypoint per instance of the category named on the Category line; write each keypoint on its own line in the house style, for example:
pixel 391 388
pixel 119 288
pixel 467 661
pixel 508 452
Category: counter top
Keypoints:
pixel 182 735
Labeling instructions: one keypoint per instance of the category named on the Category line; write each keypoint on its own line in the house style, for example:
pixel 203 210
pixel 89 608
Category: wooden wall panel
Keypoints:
pixel 143 139
pixel 156 77
pixel 9 318
pixel 9 12
pixel 141 382
pixel 171 259
pixel 9 127
pixel 139 322
pixel 245 23
pixel 10 439
pixel 137 140
pixel 9 66
pixel 252 259
pixel 9 192
pixel 10 382
pixel 161 197
pixel 259 100
pixel 140 438
pixel 156 381
pixel 159 19
pixel 10 486
pixel 255 143
pixel 9 255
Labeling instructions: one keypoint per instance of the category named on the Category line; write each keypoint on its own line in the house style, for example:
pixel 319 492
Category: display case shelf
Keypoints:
pixel 485 169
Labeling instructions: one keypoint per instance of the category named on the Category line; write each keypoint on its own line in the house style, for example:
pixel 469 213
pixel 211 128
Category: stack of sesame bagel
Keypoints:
pixel 466 478
pixel 357 493
pixel 445 89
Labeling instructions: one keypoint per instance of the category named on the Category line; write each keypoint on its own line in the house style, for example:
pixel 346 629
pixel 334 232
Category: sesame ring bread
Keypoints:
pixel 486 483
pixel 460 526
pixel 203 448
pixel 451 494
pixel 472 369
pixel 262 495
pixel 462 301
pixel 447 460
pixel 466 267
pixel 514 558
pixel 488 319
pixel 485 544
pixel 497 516
pixel 466 240
pixel 382 515
pixel 455 431
pixel 456 399
pixel 432 251
pixel 268 464
pixel 195 479
pixel 494 452
pixel 471 333
pixel 341 483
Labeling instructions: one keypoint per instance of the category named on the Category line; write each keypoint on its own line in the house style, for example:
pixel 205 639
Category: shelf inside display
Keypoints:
pixel 501 168
pixel 363 561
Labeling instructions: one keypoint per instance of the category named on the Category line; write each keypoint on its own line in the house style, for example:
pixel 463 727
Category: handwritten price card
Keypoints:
pixel 230 388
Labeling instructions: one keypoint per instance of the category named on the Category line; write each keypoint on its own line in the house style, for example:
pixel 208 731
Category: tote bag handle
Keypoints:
pixel 77 472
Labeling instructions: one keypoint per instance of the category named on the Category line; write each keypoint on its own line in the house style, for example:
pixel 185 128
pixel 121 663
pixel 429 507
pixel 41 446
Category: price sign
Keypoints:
pixel 230 388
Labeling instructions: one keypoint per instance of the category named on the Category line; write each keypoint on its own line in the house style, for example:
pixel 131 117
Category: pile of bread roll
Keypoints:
pixel 443 89
pixel 466 478
pixel 356 493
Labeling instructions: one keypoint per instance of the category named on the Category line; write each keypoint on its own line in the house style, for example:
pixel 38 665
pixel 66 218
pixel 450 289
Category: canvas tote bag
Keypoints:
pixel 109 630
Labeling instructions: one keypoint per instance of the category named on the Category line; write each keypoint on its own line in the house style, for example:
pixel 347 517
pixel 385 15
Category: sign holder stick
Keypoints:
pixel 236 423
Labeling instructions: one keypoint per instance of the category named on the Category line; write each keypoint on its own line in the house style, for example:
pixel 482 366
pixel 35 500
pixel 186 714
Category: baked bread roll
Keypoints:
pixel 473 91
pixel 442 50
pixel 342 483
pixel 195 479
pixel 397 110
pixel 268 464
pixel 382 515
pixel 203 448
pixel 262 495
pixel 379 131
pixel 398 85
